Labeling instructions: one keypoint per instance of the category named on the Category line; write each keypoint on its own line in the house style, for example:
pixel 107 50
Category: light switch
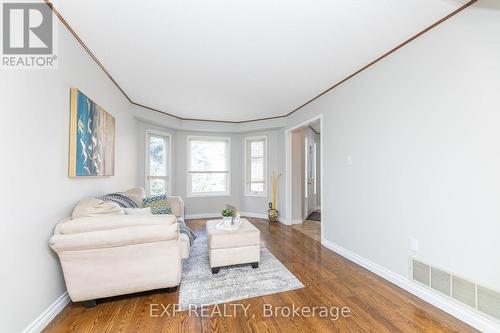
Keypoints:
pixel 414 244
pixel 348 160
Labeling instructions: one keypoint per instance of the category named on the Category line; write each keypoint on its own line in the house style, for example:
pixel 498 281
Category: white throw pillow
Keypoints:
pixel 137 194
pixel 92 207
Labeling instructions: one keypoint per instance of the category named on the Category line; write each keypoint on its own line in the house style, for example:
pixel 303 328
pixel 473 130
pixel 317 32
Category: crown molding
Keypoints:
pixel 99 63
pixel 312 129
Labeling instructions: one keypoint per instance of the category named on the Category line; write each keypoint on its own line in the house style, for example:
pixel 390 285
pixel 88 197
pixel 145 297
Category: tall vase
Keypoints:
pixel 272 214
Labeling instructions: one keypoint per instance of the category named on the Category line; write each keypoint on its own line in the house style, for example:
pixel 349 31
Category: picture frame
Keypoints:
pixel 92 138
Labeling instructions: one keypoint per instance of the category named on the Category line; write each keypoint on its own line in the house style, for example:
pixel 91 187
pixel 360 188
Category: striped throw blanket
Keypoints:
pixel 121 199
pixel 184 229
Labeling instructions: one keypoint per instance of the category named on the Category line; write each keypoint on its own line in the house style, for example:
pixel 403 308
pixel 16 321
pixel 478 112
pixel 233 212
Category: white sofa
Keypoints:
pixel 110 255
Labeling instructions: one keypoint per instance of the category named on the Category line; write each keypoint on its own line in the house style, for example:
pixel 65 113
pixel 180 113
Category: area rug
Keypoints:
pixel 315 216
pixel 199 287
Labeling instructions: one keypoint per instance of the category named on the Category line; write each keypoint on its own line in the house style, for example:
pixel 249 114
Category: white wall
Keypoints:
pixel 211 205
pixel 37 192
pixel 423 129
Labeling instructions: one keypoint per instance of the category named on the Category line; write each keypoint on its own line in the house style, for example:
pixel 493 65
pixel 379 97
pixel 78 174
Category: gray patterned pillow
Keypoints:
pixel 158 204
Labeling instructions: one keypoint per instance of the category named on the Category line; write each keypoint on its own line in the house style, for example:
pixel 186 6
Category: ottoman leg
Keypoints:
pixel 215 270
pixel 90 303
pixel 255 265
pixel 172 289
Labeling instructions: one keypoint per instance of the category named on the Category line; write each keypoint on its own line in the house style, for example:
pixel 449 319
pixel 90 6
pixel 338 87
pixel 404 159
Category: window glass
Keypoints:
pixel 157 180
pixel 208 166
pixel 255 166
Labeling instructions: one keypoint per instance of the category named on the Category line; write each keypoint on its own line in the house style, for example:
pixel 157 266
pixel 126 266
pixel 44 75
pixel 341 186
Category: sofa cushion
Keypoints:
pixel 114 237
pixel 87 224
pixel 138 211
pixel 158 203
pixel 91 207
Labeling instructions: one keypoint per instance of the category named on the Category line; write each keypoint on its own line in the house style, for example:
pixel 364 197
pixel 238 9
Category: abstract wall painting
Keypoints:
pixel 92 138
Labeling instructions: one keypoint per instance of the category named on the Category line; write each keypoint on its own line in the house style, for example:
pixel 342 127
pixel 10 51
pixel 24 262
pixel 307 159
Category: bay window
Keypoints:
pixel 157 163
pixel 256 166
pixel 208 165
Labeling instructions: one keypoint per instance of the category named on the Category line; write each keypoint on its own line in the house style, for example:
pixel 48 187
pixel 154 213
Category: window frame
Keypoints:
pixel 168 157
pixel 189 181
pixel 247 167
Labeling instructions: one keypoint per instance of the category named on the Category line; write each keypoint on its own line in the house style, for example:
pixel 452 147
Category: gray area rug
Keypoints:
pixel 315 216
pixel 200 287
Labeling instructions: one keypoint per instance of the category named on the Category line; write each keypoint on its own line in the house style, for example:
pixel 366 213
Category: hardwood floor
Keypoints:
pixel 310 228
pixel 330 280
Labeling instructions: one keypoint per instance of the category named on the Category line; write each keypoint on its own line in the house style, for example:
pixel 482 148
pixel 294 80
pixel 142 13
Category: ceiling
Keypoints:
pixel 240 60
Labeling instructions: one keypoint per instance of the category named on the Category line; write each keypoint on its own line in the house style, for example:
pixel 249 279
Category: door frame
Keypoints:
pixel 288 170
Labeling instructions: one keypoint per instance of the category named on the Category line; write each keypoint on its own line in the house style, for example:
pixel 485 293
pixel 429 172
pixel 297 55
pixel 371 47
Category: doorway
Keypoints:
pixel 304 178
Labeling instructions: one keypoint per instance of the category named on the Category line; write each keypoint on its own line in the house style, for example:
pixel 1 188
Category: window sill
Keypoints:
pixel 251 195
pixel 208 195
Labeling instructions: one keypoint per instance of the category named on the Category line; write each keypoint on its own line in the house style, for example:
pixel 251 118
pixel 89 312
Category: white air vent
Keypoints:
pixel 441 281
pixel 488 301
pixel 466 292
pixel 421 272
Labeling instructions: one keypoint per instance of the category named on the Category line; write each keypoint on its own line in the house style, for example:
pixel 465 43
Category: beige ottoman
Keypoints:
pixel 233 247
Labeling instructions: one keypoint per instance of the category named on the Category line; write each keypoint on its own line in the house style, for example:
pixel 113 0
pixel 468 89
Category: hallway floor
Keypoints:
pixel 310 228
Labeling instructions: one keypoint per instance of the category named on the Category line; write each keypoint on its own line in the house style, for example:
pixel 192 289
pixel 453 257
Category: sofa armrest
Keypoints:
pixel 90 224
pixel 177 205
pixel 114 238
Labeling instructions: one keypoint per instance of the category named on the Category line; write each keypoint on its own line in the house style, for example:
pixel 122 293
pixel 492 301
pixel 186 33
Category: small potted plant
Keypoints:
pixel 227 216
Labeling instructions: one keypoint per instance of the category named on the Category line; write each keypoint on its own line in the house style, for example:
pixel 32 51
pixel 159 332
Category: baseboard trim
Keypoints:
pixel 464 314
pixel 256 215
pixel 283 220
pixel 48 315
